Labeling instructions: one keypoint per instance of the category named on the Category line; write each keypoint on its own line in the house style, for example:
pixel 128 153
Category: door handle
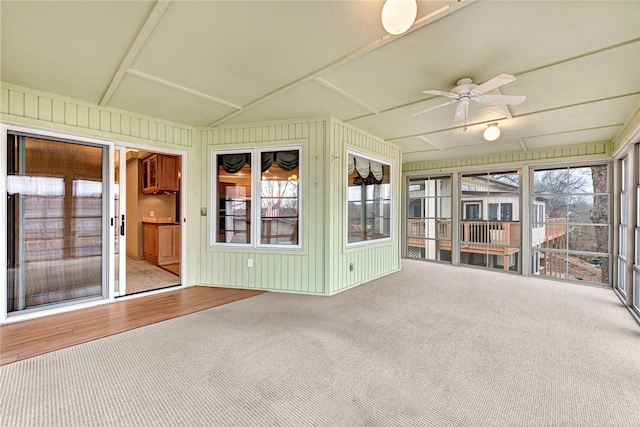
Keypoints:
pixel 122 226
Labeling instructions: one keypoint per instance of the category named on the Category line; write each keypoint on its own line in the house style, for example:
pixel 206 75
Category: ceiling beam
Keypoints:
pixel 376 44
pixel 154 17
pixel 346 95
pixel 182 89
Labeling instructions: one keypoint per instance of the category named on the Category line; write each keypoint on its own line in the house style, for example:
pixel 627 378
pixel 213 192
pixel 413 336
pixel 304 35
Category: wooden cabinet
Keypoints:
pixel 161 243
pixel 160 174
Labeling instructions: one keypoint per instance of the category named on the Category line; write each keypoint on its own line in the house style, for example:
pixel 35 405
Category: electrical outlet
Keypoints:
pixel 152 213
pixel 351 266
pixel 249 262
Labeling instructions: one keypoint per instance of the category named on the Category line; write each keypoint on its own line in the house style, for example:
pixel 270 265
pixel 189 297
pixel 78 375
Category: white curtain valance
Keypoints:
pixel 364 167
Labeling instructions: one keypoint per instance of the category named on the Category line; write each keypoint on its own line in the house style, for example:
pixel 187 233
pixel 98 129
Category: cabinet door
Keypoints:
pixel 168 168
pixel 153 171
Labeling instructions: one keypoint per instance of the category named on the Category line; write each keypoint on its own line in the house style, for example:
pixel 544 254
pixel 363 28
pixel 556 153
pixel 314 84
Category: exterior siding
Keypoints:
pixel 286 270
pixel 370 261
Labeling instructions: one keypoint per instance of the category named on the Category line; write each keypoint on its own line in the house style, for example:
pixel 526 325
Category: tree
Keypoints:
pixel 599 214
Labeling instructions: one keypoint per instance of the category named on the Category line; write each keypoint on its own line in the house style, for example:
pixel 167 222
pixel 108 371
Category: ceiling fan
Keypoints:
pixel 465 90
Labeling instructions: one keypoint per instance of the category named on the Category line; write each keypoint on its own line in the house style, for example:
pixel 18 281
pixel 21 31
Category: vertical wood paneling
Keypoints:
pixel 94 118
pixel 369 261
pixel 31 106
pixel 21 102
pixel 4 101
pixel 83 116
pixel 16 103
pixel 71 114
pixel 44 108
pixel 591 149
pixel 286 270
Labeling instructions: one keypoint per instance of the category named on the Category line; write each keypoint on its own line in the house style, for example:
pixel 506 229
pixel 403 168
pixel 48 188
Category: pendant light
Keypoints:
pixel 492 132
pixel 398 15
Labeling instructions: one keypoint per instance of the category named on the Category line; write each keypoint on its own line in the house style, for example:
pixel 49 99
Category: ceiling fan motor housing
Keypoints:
pixel 464 87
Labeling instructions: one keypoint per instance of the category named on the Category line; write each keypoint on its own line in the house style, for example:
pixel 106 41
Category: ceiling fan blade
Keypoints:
pixel 501 99
pixel 432 108
pixel 441 93
pixel 461 111
pixel 494 83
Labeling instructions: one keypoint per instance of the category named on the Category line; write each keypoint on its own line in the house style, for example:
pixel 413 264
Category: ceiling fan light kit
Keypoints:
pixel 492 132
pixel 398 15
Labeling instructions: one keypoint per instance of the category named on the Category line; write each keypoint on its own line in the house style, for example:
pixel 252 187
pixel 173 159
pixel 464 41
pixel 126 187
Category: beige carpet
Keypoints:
pixel 432 345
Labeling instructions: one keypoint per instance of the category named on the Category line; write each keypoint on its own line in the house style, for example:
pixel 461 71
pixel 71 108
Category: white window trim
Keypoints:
pixel 256 198
pixel 387 162
pixel 465 203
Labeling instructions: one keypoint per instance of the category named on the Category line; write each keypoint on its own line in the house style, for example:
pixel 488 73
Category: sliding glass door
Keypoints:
pixel 57 217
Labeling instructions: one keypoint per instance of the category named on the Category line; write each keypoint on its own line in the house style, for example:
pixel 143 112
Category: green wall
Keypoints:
pixel 322 265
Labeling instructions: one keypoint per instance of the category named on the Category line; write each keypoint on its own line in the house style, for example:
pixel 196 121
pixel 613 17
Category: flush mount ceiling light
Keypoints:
pixel 398 15
pixel 492 132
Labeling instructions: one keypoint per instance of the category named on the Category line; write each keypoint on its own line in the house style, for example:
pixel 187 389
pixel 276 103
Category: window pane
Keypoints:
pixel 585 269
pixel 55 222
pixel 279 187
pixel 589 238
pixel 234 198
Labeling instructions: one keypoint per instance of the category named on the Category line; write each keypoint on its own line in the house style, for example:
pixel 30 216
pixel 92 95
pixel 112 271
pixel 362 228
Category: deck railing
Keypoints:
pixel 496 232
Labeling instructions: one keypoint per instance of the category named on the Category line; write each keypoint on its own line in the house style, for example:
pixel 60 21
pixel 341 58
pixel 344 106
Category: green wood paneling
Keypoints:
pixel 373 260
pixel 27 106
pixel 570 152
pixel 286 270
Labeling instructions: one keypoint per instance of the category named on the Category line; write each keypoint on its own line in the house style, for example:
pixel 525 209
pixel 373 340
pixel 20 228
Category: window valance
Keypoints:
pixel 364 167
pixel 287 160
pixel 232 163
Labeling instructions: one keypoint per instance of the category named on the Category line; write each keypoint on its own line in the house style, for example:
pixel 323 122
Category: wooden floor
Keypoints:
pixel 30 338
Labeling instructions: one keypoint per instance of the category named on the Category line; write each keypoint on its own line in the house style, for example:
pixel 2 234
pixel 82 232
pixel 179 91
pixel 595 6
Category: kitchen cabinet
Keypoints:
pixel 161 242
pixel 160 174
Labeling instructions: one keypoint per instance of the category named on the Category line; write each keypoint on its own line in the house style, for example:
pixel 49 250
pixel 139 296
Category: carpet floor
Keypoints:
pixel 431 345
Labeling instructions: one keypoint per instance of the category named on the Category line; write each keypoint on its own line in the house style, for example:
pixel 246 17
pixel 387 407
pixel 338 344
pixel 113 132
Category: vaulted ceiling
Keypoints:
pixel 207 63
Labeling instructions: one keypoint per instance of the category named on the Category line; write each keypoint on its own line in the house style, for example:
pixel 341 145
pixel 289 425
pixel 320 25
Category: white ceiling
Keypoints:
pixel 206 63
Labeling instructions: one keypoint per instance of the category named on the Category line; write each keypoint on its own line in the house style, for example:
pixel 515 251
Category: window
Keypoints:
pixel 500 211
pixel 275 173
pixel 234 176
pixel 489 230
pixel 429 218
pixel 472 210
pixel 368 199
pixel 279 197
pixel 573 243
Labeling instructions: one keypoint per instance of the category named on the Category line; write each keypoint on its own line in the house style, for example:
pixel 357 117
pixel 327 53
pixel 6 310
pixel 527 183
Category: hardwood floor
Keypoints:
pixel 30 338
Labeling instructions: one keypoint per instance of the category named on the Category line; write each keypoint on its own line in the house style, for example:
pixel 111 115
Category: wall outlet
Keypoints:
pixel 351 266
pixel 249 262
pixel 152 213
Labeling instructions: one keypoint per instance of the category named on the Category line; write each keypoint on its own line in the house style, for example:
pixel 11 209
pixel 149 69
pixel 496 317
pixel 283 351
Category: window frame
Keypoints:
pixel 256 197
pixel 392 203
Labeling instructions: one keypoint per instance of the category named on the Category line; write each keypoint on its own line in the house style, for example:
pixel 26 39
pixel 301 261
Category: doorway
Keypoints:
pixel 148 214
